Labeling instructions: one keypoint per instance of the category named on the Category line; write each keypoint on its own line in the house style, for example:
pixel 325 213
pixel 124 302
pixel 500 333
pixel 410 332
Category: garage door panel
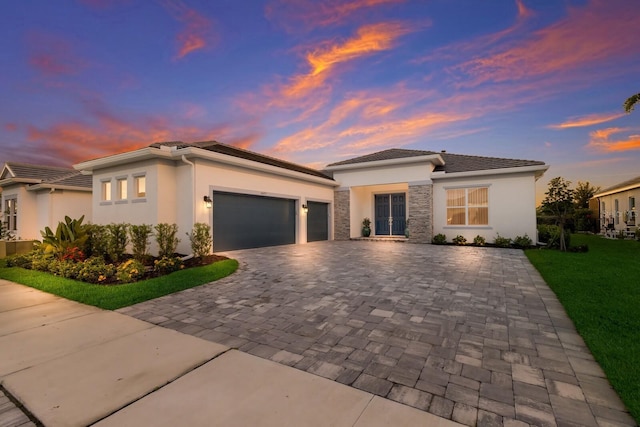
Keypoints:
pixel 317 221
pixel 242 221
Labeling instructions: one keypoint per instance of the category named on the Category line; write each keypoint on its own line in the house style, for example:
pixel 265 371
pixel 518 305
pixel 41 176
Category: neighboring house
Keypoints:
pixel 35 197
pixel 248 199
pixel 616 206
pixel 252 200
pixel 436 193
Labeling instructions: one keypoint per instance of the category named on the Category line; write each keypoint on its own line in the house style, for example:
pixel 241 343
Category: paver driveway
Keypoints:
pixel 470 334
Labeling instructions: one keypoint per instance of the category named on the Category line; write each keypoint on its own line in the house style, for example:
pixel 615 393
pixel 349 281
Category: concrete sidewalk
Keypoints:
pixel 73 365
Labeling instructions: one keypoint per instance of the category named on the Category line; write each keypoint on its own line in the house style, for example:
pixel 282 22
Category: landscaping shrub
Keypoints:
pixel 41 261
pixel 166 239
pixel 200 239
pixel 95 270
pixel 22 261
pixel 439 239
pixel 459 240
pixel 65 268
pixel 522 242
pixel 140 235
pixel 73 254
pixel 98 242
pixel 550 234
pixel 70 233
pixel 117 239
pixel 502 242
pixel 130 271
pixel 479 240
pixel 166 265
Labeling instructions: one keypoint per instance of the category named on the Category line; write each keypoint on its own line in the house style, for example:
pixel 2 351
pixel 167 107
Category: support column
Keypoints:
pixel 342 214
pixel 420 213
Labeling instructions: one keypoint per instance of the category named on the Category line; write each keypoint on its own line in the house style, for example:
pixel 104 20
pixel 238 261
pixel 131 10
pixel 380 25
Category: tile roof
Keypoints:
pixel 229 150
pixel 48 174
pixel 453 162
pixel 631 182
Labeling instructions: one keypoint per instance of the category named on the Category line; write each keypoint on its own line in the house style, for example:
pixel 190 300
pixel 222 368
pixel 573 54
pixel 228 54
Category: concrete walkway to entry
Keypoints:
pixel 69 364
pixel 473 335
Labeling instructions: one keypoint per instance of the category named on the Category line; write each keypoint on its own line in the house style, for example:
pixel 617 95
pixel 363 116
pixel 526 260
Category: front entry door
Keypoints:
pixel 390 210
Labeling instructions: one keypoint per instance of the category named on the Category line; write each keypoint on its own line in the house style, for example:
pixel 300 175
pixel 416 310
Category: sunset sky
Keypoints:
pixel 317 82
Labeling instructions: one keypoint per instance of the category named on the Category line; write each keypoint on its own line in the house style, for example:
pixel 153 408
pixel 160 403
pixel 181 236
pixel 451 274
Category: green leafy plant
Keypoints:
pixel 166 265
pixel 95 270
pixel 479 240
pixel 459 240
pixel 366 227
pixel 41 261
pixel 502 242
pixel 22 260
pixel 522 242
pixel 97 244
pixel 117 240
pixel 166 239
pixel 130 271
pixel 201 240
pixel 140 240
pixel 70 233
pixel 439 239
pixel 65 268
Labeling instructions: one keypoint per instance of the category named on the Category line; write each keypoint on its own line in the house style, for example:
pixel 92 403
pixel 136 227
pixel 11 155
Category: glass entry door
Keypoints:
pixel 390 214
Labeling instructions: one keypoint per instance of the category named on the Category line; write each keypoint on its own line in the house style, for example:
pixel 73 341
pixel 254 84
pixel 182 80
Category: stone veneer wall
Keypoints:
pixel 420 213
pixel 342 215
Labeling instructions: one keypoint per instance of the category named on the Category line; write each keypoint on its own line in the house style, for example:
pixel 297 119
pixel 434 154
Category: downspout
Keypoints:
pixel 193 194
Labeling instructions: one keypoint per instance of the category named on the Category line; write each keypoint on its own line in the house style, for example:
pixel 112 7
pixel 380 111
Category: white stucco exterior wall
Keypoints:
pixel 27 220
pixel 175 190
pixel 512 210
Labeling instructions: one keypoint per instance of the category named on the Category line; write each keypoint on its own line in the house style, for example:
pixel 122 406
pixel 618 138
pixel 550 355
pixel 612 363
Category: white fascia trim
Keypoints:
pixel 123 158
pixel 197 153
pixel 194 152
pixel 435 159
pixel 11 181
pixel 614 191
pixel 57 187
pixel 538 170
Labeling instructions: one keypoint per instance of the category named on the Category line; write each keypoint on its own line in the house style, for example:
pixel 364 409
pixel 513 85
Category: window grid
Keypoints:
pixel 468 206
pixel 106 191
pixel 140 186
pixel 122 188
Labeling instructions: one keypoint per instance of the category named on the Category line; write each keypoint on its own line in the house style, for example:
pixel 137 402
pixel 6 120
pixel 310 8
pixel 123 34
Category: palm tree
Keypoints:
pixel 631 102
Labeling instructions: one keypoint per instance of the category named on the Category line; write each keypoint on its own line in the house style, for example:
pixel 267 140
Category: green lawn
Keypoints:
pixel 117 296
pixel 600 290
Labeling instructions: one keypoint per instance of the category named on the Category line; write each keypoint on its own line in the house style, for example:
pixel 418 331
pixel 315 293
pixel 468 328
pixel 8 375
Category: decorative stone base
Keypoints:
pixel 420 213
pixel 342 215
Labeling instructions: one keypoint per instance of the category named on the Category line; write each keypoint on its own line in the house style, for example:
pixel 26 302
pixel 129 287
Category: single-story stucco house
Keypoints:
pixel 616 206
pixel 36 196
pixel 253 200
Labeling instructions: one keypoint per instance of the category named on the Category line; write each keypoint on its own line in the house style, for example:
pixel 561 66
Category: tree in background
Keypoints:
pixel 631 102
pixel 559 203
pixel 583 193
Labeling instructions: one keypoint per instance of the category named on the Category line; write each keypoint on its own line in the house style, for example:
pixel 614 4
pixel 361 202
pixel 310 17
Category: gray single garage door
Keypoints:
pixel 242 221
pixel 317 221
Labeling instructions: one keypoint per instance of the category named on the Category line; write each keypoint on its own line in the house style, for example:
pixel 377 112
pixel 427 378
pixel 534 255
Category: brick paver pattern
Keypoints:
pixel 470 334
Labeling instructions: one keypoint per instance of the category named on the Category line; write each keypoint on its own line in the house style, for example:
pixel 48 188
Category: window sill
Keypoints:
pixel 105 203
pixel 139 200
pixel 469 227
pixel 121 202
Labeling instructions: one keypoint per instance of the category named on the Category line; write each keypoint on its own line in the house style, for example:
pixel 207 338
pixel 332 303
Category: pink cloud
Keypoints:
pixel 53 56
pixel 589 120
pixel 602 33
pixel 198 29
pixel 607 140
pixel 304 15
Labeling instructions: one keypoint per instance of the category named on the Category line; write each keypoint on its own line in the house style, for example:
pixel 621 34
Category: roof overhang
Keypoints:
pixel 176 154
pixel 604 193
pixel 51 187
pixel 435 159
pixel 13 181
pixel 537 170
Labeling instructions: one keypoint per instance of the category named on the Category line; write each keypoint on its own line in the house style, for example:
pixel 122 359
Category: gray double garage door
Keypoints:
pixel 242 221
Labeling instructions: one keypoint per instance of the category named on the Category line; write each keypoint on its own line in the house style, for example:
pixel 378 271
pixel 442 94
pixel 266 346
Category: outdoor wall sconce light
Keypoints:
pixel 305 208
pixel 208 202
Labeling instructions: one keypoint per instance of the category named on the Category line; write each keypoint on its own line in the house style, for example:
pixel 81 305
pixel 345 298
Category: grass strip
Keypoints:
pixel 600 290
pixel 113 297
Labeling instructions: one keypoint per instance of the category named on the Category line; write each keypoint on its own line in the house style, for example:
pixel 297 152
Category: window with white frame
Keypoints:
pixel 106 191
pixel 11 214
pixel 468 206
pixel 140 186
pixel 122 188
